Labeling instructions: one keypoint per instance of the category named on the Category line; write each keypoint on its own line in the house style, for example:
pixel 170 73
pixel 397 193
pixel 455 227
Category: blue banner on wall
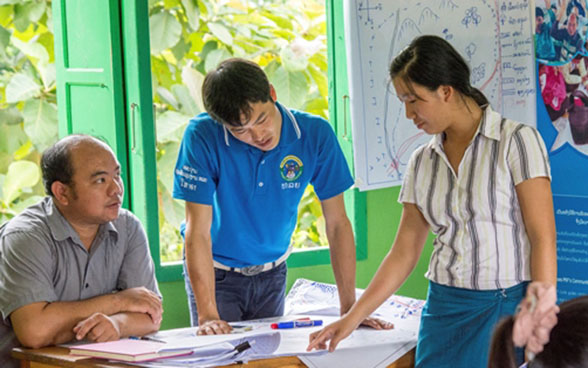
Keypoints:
pixel 565 131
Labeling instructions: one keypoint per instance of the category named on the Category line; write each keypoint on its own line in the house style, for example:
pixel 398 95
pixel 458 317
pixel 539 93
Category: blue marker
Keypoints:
pixel 295 324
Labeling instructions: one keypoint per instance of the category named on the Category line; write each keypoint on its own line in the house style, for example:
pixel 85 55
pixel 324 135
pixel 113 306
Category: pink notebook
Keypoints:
pixel 127 350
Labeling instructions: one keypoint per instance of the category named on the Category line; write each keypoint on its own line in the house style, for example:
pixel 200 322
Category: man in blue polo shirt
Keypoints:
pixel 242 169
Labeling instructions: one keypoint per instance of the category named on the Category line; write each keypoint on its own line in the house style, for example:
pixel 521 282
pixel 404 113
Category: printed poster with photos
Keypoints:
pixel 562 118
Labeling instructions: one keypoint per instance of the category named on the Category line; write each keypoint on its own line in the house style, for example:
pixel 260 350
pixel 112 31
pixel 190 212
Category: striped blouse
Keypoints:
pixel 481 242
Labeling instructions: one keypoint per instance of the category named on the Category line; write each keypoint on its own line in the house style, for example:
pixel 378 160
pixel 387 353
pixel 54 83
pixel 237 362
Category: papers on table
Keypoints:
pixel 224 353
pixel 317 298
pixel 368 356
pixel 268 343
pixel 218 350
pixel 377 349
pixel 365 347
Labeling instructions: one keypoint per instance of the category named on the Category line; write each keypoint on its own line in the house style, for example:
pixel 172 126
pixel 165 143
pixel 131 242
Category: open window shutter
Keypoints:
pixel 140 130
pixel 90 90
pixel 104 89
pixel 340 117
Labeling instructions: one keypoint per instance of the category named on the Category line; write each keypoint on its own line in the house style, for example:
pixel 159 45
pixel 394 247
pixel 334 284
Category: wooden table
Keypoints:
pixel 58 357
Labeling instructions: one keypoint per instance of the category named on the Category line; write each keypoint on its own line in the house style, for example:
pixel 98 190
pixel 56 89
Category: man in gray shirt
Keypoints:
pixel 76 265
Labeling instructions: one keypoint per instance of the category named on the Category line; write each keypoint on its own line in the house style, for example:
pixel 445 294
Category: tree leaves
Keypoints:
pixel 27 13
pixel 170 126
pixel 4 39
pixel 192 13
pixel 214 58
pixel 28 115
pixel 165 31
pixel 21 87
pixel 40 123
pixel 193 81
pixel 10 116
pixel 221 32
pixel 291 87
pixel 32 49
pixel 21 174
pixel 12 137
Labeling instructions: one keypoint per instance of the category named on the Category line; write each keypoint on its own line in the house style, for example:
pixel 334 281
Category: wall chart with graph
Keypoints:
pixel 495 37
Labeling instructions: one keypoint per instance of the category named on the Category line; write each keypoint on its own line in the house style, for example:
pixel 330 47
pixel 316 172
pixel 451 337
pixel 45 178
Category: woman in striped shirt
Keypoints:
pixel 482 186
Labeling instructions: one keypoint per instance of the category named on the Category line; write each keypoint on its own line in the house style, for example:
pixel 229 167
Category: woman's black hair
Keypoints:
pixel 430 61
pixel 567 346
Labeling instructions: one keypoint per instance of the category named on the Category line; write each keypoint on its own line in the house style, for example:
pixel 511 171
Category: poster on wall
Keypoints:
pixel 495 38
pixel 562 119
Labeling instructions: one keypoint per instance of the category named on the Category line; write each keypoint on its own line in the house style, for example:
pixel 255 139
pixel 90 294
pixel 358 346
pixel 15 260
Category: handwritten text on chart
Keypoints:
pixel 495 38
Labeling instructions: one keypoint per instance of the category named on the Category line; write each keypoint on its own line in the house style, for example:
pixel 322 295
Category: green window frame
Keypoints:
pixel 105 90
pixel 355 201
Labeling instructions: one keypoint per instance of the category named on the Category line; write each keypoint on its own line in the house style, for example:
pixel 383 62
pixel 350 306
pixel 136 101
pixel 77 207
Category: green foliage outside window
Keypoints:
pixel 188 38
pixel 28 114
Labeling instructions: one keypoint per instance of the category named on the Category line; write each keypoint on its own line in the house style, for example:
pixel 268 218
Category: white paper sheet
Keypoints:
pixel 378 348
pixel 365 347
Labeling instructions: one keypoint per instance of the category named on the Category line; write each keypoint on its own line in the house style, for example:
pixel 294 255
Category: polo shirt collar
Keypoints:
pixel 61 229
pixel 290 130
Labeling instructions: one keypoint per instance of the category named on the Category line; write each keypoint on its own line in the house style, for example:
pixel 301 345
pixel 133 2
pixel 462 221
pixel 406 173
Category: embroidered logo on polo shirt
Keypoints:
pixel 291 168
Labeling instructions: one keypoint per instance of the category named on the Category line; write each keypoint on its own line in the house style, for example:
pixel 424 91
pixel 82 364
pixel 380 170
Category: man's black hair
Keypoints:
pixel 229 90
pixel 56 161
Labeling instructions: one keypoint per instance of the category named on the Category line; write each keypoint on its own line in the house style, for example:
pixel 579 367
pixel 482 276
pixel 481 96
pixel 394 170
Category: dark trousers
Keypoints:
pixel 240 297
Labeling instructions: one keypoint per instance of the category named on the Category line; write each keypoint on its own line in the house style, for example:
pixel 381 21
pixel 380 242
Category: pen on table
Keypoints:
pixel 232 354
pixel 243 346
pixel 295 324
pixel 146 338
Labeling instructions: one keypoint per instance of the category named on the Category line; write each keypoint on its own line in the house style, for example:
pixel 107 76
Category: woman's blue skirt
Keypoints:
pixel 457 324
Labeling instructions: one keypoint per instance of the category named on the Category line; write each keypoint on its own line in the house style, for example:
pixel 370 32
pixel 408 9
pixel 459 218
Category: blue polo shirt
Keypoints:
pixel 255 194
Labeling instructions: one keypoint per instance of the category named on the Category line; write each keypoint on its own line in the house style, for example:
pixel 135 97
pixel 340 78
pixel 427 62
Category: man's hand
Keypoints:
pixel 141 300
pixel 214 327
pixel 378 324
pixel 98 328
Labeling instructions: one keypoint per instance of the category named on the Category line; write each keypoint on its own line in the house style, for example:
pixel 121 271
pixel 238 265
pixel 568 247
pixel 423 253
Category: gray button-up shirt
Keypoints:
pixel 42 259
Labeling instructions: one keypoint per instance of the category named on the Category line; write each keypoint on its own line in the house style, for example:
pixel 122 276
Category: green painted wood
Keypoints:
pixel 104 89
pixel 383 216
pixel 90 88
pixel 175 305
pixel 309 257
pixel 340 117
pixel 140 131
